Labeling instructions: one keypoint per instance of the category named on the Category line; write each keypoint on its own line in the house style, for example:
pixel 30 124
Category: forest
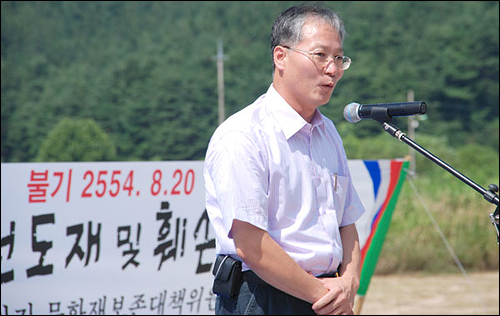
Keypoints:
pixel 125 80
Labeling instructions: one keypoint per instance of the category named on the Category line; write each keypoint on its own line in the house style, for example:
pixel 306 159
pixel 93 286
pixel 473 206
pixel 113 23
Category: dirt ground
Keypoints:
pixel 421 294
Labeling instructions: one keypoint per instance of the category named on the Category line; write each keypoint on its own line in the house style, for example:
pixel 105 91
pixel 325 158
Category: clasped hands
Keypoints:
pixel 340 297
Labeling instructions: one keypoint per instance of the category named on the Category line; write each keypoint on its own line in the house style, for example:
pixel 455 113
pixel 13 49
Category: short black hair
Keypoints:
pixel 287 28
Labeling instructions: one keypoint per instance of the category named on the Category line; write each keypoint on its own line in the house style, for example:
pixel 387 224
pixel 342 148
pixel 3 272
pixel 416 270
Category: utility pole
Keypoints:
pixel 220 80
pixel 412 125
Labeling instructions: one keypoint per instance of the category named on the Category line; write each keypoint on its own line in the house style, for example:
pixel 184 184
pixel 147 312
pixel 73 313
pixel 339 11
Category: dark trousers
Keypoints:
pixel 259 298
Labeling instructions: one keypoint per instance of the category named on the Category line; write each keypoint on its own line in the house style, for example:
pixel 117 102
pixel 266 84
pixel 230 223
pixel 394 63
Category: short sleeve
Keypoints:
pixel 237 169
pixel 353 208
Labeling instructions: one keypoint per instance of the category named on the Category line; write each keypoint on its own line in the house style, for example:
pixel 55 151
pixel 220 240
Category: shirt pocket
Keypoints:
pixel 340 185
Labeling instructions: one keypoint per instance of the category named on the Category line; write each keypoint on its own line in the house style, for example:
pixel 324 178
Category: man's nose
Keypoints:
pixel 331 69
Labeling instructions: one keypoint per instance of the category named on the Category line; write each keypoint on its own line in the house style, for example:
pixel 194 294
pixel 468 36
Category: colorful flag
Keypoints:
pixel 387 178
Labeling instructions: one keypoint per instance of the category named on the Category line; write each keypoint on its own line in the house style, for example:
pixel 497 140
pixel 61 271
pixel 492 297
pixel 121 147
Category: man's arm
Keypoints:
pixel 350 267
pixel 340 298
pixel 272 264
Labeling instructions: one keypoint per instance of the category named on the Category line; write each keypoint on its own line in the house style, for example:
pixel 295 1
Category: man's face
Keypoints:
pixel 309 85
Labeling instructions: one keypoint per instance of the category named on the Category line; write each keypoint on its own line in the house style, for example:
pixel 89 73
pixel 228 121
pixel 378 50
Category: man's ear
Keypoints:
pixel 279 56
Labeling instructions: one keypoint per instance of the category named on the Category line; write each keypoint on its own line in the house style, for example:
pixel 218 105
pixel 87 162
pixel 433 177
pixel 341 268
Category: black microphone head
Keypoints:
pixel 423 108
pixel 351 112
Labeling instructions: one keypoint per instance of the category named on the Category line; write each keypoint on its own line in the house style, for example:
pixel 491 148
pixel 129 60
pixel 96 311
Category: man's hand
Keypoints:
pixel 342 290
pixel 340 297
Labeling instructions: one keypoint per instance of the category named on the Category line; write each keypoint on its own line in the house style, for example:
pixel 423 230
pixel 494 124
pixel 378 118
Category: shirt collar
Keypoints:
pixel 288 119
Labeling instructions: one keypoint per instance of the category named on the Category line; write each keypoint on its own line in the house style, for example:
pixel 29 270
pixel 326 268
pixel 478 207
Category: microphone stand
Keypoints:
pixel 380 114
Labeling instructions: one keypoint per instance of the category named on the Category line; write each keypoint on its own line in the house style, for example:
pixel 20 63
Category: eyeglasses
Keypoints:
pixel 323 59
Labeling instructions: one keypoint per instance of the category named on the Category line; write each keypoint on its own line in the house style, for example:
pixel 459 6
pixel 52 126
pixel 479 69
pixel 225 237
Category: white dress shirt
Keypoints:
pixel 267 166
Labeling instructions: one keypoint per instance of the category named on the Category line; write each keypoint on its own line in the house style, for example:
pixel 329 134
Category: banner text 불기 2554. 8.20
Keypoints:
pixel 132 237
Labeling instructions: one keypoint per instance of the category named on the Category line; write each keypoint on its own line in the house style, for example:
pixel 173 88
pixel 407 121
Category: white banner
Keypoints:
pixel 105 238
pixel 119 237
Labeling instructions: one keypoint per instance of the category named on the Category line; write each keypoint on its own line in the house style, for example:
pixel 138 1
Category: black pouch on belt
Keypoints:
pixel 227 272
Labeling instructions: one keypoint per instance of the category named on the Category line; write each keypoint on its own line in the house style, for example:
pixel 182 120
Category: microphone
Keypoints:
pixel 355 112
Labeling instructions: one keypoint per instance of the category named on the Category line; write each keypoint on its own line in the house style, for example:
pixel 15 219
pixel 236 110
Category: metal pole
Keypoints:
pixel 220 80
pixel 412 124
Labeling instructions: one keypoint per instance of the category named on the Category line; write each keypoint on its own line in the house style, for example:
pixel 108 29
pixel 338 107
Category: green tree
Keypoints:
pixel 77 140
pixel 144 70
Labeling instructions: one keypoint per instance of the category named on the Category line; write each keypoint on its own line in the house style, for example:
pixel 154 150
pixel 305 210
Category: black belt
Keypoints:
pixel 250 277
pixel 329 275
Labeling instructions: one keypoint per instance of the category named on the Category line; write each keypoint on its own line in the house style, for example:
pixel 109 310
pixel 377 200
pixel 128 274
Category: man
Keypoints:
pixel 278 189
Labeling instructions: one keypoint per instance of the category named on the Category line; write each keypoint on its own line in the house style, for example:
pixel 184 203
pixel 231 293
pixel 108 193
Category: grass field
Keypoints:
pixel 432 216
